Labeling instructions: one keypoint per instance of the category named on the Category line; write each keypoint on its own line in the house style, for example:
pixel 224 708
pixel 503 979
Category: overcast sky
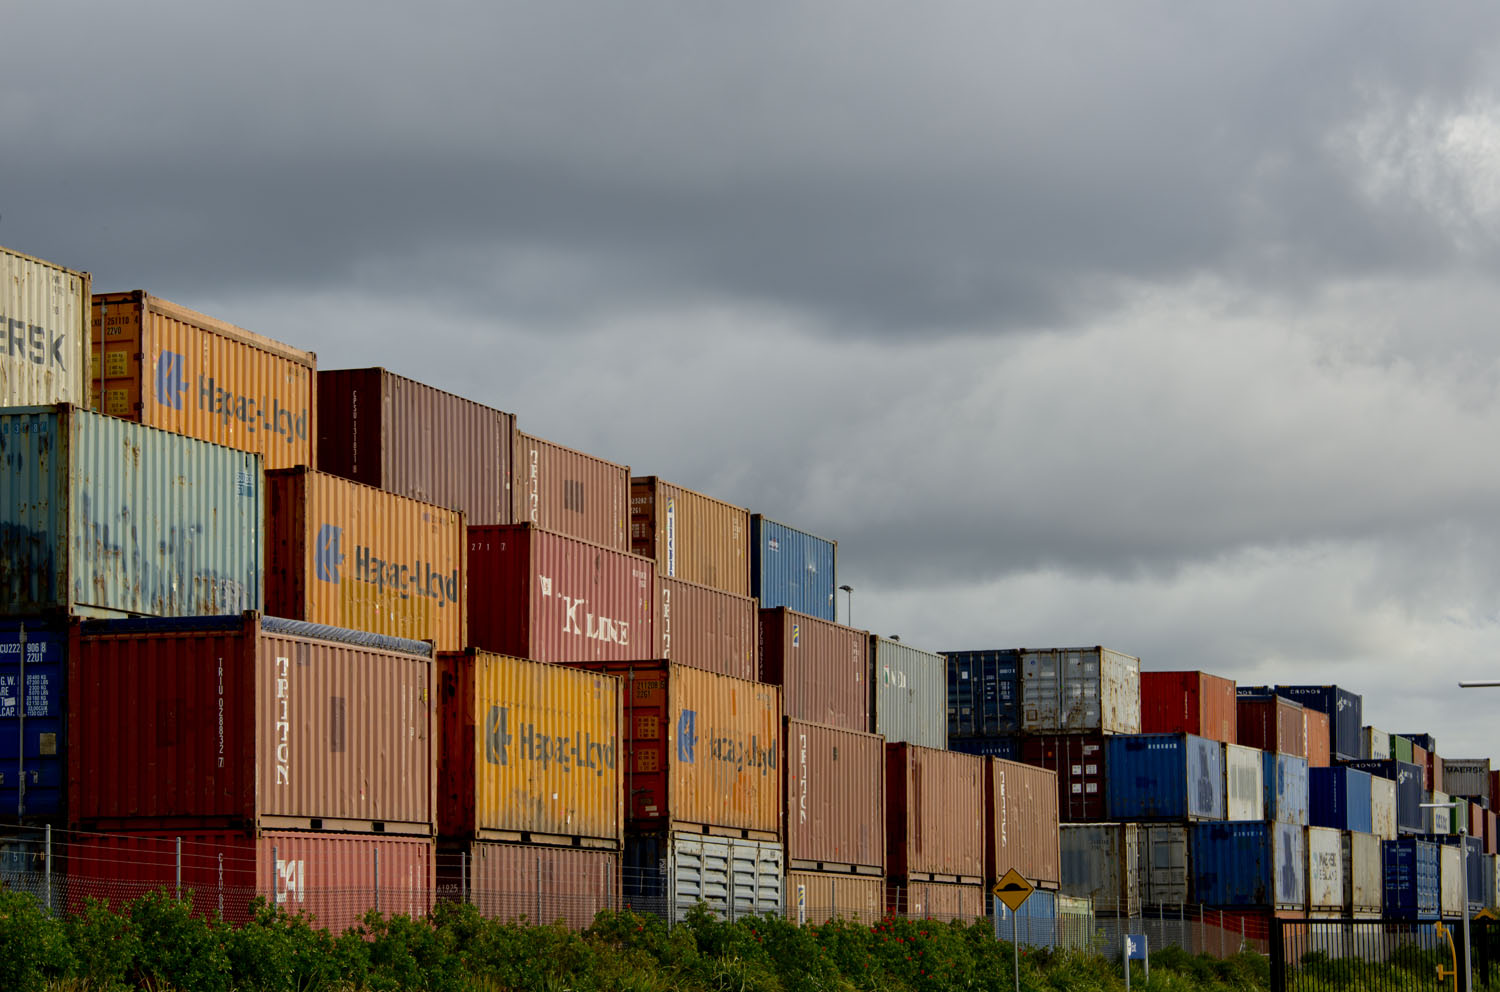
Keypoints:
pixel 1166 326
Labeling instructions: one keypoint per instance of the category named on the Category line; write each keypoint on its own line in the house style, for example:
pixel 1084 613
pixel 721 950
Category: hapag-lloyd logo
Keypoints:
pixel 257 415
pixel 409 580
pixel 580 621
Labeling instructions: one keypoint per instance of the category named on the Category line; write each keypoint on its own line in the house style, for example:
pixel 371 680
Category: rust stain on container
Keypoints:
pixel 249 721
pixel 416 440
pixel 163 365
pixel 549 597
pixel 350 555
pixel 1021 812
pixel 835 799
pixel 934 802
pixel 819 897
pixel 542 885
pixel 44 353
pixel 530 752
pixel 823 668
pixel 567 491
pixel 707 628
pixel 1316 738
pixel 690 536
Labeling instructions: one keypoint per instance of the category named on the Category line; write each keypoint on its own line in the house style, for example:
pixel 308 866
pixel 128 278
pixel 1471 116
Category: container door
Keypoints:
pixel 1165 869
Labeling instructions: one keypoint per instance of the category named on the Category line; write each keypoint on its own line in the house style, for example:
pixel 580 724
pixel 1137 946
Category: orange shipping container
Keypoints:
pixel 818 897
pixel 350 555
pixel 569 492
pixel 1316 738
pixel 1021 813
pixel 835 799
pixel 701 750
pixel 708 628
pixel 691 536
pixel 934 807
pixel 166 366
pixel 530 752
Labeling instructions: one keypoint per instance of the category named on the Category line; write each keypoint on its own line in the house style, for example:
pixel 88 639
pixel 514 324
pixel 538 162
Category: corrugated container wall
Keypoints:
pixel 105 517
pixel 417 441
pixel 1419 758
pixel 1426 742
pixel 163 365
pixel 1325 872
pixel 349 555
pixel 1166 864
pixel 1271 723
pixel 1450 863
pixel 1436 770
pixel 700 749
pixel 820 897
pixel 792 568
pixel 1438 820
pixel 984 693
pixel 544 884
pixel 1413 884
pixel 1008 748
pixel 1103 862
pixel 1188 703
pixel 1400 750
pixel 948 901
pixel 1339 798
pixel 690 536
pixel 1080 690
pixel 1250 864
pixel 707 628
pixel 250 721
pixel 1244 783
pixel 547 597
pixel 822 667
pixel 1079 761
pixel 1466 777
pixel 670 873
pixel 1374 743
pixel 911 693
pixel 1315 738
pixel 1409 791
pixel 1383 808
pixel 1345 711
pixel 1021 814
pixel 530 752
pixel 1363 868
pixel 1286 789
pixel 835 799
pixel 33 741
pixel 44 351
pixel 569 492
pixel 932 833
pixel 1165 777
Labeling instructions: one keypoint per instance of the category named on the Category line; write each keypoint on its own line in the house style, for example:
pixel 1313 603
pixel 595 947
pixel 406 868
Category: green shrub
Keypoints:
pixel 175 949
pixel 36 946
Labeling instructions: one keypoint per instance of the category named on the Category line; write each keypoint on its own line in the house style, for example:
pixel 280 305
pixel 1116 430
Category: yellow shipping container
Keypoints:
pixel 692 536
pixel 350 555
pixel 530 752
pixel 163 365
pixel 817 897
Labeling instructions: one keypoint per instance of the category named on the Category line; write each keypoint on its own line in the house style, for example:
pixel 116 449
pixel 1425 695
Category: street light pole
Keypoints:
pixel 849 608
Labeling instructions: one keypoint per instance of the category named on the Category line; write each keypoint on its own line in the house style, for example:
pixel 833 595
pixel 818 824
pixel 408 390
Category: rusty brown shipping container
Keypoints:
pixel 349 555
pixel 1188 703
pixel 249 722
pixel 1079 761
pixel 707 628
pixel 542 885
pixel 963 903
pixel 691 536
pixel 1021 814
pixel 1271 723
pixel 569 492
pixel 934 803
pixel 835 799
pixel 163 365
pixel 530 752
pixel 549 597
pixel 416 440
pixel 701 751
pixel 820 897
pixel 823 668
pixel 1316 739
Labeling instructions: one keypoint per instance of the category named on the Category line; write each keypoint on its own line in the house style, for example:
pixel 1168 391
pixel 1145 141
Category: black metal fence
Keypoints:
pixel 1381 955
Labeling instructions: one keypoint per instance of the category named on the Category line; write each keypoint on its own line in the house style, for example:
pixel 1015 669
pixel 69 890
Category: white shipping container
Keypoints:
pixel 1325 871
pixel 1437 820
pixel 1383 807
pixel 1375 744
pixel 1450 865
pixel 45 347
pixel 1245 782
pixel 1466 776
pixel 1364 878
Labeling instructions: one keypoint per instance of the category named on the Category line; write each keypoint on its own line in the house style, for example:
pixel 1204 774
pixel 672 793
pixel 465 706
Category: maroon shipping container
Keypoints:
pixel 707 628
pixel 542 884
pixel 822 667
pixel 835 799
pixel 934 810
pixel 1494 790
pixel 249 722
pixel 1188 703
pixel 415 440
pixel 331 877
pixel 1316 739
pixel 569 492
pixel 1020 804
pixel 547 597
pixel 1272 723
pixel 1490 825
pixel 936 900
pixel 1078 760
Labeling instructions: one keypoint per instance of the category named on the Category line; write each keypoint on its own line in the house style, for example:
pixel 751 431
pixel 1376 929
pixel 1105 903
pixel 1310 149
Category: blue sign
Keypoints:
pixel 687 735
pixel 170 382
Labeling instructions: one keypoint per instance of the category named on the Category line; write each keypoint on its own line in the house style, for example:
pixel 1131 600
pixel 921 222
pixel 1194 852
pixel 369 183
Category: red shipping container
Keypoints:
pixel 249 722
pixel 1078 760
pixel 822 667
pixel 569 492
pixel 934 815
pixel 1188 703
pixel 937 901
pixel 547 597
pixel 541 884
pixel 1315 734
pixel 707 628
pixel 1020 804
pixel 1271 723
pixel 835 799
pixel 330 877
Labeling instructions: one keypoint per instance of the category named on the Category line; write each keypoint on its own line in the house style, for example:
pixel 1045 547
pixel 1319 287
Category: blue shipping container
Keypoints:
pixel 1253 691
pixel 42 773
pixel 984 693
pixel 1413 889
pixel 1250 864
pixel 1339 797
pixel 793 569
pixel 1474 864
pixel 1408 779
pixel 1345 715
pixel 1164 777
pixel 1008 748
pixel 1286 789
pixel 1426 742
pixel 1033 925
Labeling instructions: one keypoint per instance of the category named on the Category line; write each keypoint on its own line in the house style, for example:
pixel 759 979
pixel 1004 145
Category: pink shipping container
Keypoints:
pixel 249 722
pixel 818 897
pixel 548 597
pixel 543 885
pixel 707 628
pixel 1188 703
pixel 934 815
pixel 1021 815
pixel 1272 723
pixel 823 668
pixel 329 877
pixel 835 799
pixel 569 492
pixel 937 900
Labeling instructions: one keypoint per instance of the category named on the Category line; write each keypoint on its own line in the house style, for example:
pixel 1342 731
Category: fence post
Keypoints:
pixel 274 870
pixel 377 880
pixel 463 876
pixel 179 869
pixel 538 890
pixel 835 898
pixel 47 868
pixel 1278 956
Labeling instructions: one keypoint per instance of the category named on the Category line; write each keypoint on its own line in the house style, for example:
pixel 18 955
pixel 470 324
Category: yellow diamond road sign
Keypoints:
pixel 1012 890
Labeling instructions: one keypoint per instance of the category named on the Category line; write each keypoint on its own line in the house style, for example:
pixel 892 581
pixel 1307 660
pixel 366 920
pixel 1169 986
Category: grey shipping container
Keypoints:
pixel 910 687
pixel 1080 690
pixel 670 873
pixel 1103 862
pixel 1166 865
pixel 1466 777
